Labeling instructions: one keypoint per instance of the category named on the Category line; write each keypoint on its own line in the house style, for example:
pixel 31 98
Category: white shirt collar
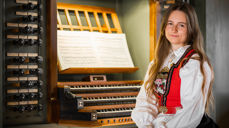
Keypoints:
pixel 176 54
pixel 180 51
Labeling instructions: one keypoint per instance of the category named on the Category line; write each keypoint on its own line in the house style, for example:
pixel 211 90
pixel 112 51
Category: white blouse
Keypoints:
pixel 145 113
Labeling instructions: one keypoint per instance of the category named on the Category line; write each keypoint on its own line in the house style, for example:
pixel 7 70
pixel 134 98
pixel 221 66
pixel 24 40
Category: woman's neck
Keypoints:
pixel 175 47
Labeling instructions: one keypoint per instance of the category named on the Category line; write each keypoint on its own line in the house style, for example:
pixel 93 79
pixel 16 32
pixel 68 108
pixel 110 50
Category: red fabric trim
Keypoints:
pixel 172 110
pixel 172 99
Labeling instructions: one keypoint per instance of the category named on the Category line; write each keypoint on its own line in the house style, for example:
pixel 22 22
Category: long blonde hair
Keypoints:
pixel 194 38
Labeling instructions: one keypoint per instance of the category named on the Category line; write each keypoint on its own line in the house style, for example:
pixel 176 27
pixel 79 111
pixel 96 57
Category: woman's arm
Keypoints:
pixel 145 110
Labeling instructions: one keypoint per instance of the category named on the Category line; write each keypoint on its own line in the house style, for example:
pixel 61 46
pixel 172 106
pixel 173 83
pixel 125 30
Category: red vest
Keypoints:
pixel 169 100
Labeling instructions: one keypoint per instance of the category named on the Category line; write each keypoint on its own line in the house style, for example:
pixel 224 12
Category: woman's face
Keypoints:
pixel 176 29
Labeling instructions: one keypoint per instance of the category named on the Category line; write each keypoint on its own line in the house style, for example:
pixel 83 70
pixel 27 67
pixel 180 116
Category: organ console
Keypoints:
pixel 94 100
pixel 29 65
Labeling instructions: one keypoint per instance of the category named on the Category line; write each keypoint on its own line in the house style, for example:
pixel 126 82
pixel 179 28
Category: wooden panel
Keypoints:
pixel 106 22
pixel 88 20
pixel 91 108
pixel 62 84
pixel 68 19
pixel 107 94
pixel 59 21
pixel 84 7
pixel 153 27
pixel 79 123
pixel 98 123
pixel 53 105
pixel 116 121
pixel 170 1
pixel 98 70
pixel 97 21
pixel 78 20
pixel 95 10
pixel 116 23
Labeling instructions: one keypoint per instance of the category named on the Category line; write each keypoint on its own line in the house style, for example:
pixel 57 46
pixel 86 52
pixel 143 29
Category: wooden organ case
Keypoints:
pixel 86 98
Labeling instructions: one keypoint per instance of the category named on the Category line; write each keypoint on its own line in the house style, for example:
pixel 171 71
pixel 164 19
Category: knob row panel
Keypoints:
pixel 25 75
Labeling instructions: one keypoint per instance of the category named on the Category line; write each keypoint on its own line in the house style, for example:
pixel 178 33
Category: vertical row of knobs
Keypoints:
pixel 23 59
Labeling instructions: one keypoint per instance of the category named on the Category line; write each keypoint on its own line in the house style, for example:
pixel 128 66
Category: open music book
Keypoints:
pixel 82 49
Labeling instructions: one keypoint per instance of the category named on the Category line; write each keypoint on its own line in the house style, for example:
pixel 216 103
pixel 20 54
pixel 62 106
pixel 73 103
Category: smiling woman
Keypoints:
pixel 176 29
pixel 177 88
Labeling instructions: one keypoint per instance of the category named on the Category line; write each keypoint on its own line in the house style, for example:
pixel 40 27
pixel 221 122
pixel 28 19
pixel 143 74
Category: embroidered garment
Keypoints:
pixel 193 102
pixel 169 101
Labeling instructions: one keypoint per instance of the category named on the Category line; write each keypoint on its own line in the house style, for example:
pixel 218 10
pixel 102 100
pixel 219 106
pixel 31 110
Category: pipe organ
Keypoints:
pixel 35 92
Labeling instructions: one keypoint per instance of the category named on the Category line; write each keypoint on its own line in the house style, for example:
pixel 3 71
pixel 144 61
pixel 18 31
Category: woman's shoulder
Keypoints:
pixel 194 63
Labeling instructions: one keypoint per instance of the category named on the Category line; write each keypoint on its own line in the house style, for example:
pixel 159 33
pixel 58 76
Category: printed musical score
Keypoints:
pixel 92 49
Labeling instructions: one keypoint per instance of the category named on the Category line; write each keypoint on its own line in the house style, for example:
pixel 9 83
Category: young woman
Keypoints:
pixel 177 89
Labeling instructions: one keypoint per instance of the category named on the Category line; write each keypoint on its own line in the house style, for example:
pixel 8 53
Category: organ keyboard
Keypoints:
pixel 98 101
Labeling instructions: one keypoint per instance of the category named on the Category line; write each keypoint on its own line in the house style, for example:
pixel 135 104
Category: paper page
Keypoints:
pixel 92 49
pixel 112 50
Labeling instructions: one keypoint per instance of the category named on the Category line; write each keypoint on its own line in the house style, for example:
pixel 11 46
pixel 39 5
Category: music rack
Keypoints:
pixel 98 13
pixel 105 20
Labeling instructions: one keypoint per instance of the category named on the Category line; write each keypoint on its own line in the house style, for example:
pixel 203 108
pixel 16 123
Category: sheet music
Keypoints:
pixel 92 49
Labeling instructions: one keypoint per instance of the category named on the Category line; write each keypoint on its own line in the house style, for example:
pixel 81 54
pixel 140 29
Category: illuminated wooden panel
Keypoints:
pixel 86 10
pixel 98 123
pixel 153 28
pixel 98 70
